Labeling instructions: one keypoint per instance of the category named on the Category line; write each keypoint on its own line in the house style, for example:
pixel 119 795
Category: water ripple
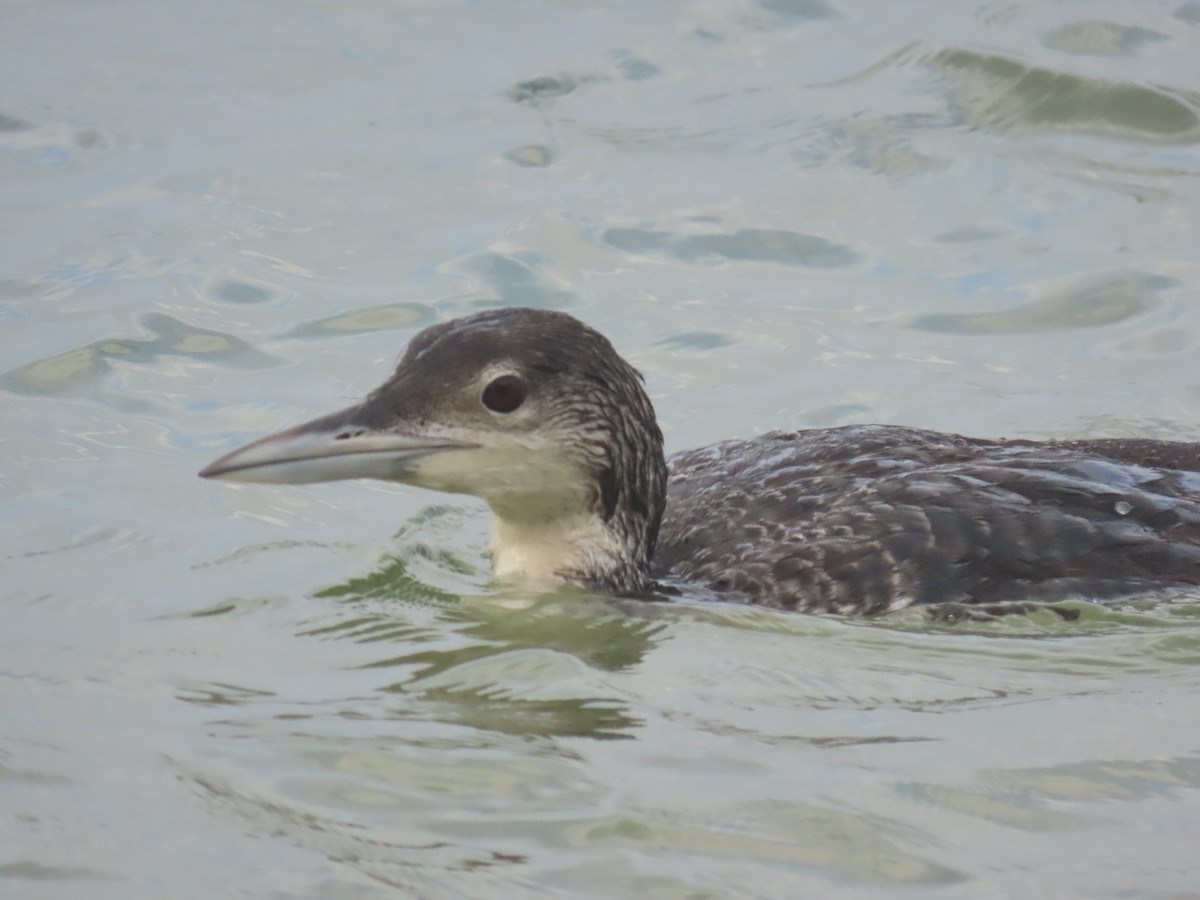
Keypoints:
pixel 83 370
pixel 1091 303
pixel 995 91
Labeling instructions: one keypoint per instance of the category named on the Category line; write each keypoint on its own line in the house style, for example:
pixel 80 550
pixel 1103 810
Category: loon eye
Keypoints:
pixel 505 394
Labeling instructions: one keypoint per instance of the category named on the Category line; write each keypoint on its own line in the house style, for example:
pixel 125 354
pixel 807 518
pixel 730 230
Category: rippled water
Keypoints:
pixel 220 218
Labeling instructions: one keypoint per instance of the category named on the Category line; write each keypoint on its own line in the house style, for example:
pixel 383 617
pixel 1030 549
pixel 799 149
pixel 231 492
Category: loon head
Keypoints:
pixel 531 410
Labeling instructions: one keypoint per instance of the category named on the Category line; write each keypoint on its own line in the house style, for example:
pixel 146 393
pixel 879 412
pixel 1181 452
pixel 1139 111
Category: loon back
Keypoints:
pixel 536 413
pixel 868 519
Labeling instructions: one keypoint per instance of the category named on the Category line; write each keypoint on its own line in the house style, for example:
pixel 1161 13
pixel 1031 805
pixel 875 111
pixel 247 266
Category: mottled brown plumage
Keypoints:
pixel 866 519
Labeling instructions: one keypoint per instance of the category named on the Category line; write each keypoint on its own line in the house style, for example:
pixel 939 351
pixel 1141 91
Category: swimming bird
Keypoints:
pixel 536 413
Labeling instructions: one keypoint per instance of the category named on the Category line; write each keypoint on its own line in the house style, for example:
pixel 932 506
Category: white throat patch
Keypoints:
pixel 544 527
pixel 540 554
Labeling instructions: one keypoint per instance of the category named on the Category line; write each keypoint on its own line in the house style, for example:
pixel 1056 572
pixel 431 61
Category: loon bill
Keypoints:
pixel 537 414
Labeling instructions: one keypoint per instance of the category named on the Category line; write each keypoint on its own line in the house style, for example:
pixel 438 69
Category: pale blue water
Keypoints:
pixel 217 219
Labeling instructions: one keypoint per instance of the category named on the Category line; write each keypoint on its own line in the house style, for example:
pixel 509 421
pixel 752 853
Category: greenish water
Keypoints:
pixel 219 219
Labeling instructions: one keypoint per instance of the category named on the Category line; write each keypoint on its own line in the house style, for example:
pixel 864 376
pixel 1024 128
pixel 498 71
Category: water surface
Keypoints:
pixel 222 218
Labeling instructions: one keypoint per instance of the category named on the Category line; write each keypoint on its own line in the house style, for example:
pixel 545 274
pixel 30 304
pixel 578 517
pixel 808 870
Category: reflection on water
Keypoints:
pixel 1094 303
pixel 795 834
pixel 84 370
pixel 757 245
pixel 505 656
pixel 1031 799
pixel 376 318
pixel 999 92
pixel 504 702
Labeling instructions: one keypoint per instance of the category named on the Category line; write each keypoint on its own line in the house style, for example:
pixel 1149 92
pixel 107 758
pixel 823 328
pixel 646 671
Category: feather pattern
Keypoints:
pixel 867 519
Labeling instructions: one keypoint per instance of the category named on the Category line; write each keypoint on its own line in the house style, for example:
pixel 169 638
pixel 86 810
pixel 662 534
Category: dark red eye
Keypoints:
pixel 504 394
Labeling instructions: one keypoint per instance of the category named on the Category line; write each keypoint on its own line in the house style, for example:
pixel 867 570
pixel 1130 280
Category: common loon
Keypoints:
pixel 537 414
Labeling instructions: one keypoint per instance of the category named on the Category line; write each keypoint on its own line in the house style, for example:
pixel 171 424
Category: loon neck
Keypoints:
pixel 579 549
pixel 598 533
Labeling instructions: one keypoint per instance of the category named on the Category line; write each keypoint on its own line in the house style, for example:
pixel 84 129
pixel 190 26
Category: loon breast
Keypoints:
pixel 867 519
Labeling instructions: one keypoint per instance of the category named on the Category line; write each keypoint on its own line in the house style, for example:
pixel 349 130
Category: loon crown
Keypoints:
pixel 537 414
